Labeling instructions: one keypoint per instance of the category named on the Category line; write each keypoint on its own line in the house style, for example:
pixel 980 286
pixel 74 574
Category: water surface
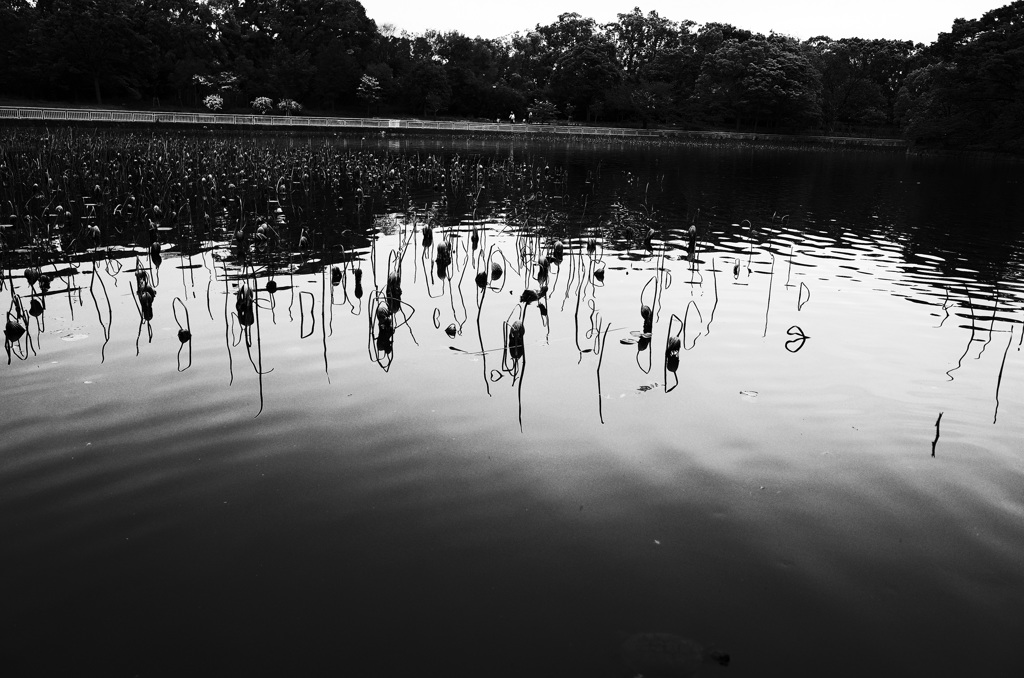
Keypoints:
pixel 788 493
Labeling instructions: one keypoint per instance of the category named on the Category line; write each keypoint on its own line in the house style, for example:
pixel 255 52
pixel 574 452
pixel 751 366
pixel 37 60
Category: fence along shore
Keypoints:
pixel 88 115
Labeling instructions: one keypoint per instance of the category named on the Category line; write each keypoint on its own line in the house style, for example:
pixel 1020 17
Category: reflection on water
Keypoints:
pixel 276 406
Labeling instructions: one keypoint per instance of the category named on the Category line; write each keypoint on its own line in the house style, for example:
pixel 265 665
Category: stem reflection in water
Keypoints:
pixel 261 213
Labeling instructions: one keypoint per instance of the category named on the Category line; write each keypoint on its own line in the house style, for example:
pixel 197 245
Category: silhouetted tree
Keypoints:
pixel 759 80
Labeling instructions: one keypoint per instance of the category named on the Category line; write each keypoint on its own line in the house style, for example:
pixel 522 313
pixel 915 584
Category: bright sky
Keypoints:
pixel 917 20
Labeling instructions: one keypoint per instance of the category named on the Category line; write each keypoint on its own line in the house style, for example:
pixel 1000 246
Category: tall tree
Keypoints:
pixel 471 70
pixel 530 56
pixel 16 16
pixel 95 43
pixel 569 31
pixel 711 36
pixel 282 44
pixel 759 80
pixel 639 39
pixel 426 87
pixel 888 62
pixel 583 74
pixel 848 95
pixel 971 92
pixel 183 33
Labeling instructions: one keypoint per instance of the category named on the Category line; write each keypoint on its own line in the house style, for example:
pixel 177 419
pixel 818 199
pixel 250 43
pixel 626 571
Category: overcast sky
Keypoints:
pixel 917 20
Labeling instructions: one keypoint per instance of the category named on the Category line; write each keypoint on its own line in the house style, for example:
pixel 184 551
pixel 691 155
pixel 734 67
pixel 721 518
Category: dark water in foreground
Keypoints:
pixel 433 505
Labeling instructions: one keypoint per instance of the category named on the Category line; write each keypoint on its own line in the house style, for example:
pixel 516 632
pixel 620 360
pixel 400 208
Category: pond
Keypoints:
pixel 790 434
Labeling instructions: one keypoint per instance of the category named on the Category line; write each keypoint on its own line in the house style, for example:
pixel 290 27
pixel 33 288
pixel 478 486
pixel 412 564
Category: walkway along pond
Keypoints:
pixel 77 115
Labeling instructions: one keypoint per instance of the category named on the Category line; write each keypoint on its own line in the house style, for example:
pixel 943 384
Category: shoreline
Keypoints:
pixel 32 115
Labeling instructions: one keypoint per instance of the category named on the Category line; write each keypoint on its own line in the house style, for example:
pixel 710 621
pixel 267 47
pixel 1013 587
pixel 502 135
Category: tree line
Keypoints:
pixel 965 90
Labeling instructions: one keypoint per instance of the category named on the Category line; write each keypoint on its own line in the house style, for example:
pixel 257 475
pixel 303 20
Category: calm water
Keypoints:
pixel 303 496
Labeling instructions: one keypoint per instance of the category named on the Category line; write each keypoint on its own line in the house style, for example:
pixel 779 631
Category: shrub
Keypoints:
pixel 262 104
pixel 289 106
pixel 214 102
pixel 543 111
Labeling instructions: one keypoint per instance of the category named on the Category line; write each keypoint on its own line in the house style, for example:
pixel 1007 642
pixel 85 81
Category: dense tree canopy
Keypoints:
pixel 760 80
pixel 969 90
pixel 966 89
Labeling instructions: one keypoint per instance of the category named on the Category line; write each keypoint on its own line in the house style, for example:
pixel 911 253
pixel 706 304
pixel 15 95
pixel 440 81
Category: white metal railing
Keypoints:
pixel 99 115
pixel 151 117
